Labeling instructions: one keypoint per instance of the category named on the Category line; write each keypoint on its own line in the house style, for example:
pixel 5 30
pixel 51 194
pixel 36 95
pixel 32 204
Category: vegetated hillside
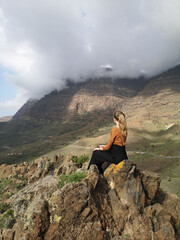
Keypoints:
pixel 169 80
pixel 62 116
pixel 82 108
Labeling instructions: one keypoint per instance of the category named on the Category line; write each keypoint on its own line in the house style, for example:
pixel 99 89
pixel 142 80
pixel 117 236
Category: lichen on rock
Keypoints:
pixel 124 203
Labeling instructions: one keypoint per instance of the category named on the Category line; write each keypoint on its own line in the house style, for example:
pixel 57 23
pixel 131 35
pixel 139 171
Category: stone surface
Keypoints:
pixel 7 234
pixel 124 203
pixel 151 182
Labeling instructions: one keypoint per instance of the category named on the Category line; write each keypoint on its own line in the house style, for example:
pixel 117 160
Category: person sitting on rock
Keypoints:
pixel 114 151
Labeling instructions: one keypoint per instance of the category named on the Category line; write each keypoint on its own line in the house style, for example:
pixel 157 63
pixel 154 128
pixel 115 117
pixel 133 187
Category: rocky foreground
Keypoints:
pixel 125 203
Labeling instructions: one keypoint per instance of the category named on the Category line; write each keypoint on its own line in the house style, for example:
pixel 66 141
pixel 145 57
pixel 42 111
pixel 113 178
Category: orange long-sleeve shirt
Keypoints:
pixel 115 138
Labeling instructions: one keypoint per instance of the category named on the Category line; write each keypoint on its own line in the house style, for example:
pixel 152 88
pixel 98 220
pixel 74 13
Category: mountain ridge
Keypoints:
pixel 120 87
pixel 92 87
pixel 82 108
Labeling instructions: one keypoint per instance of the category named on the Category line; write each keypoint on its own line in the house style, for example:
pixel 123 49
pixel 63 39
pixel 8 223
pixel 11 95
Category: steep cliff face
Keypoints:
pixel 25 108
pixel 124 203
pixel 82 108
pixel 101 94
pixel 79 98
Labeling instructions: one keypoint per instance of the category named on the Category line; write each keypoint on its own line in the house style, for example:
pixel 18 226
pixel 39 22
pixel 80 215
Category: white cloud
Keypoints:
pixel 9 107
pixel 43 42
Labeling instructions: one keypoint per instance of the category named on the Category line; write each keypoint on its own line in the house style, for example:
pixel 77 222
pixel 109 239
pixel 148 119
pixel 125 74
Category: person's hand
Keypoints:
pixel 96 149
pixel 101 146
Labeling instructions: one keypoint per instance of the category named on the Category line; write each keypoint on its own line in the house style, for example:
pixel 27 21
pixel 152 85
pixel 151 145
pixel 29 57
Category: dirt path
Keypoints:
pixel 152 154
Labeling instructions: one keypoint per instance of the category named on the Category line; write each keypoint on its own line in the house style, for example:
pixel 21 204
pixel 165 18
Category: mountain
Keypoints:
pixel 25 108
pixel 160 99
pixel 80 109
pixel 40 126
pixel 81 98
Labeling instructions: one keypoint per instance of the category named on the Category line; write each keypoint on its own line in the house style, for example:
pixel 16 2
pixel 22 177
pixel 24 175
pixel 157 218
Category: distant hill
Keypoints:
pixel 5 119
pixel 82 108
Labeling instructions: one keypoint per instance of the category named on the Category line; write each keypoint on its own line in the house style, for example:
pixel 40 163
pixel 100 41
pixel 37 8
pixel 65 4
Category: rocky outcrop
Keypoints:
pixel 83 102
pixel 124 203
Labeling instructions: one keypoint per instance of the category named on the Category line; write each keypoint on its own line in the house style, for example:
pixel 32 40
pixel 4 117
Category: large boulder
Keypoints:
pixel 151 182
pixel 124 203
pixel 31 208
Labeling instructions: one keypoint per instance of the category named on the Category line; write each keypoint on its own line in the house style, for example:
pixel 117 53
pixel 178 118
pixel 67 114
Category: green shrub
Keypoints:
pixel 3 207
pixel 62 180
pixel 127 236
pixel 4 183
pixel 22 178
pixel 8 187
pixel 7 219
pixel 19 186
pixel 81 159
pixel 74 177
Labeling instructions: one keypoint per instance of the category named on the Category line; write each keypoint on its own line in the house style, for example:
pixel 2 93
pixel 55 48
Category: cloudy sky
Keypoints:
pixel 43 42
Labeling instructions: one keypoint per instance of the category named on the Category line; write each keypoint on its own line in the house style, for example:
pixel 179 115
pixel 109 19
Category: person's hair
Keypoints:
pixel 120 117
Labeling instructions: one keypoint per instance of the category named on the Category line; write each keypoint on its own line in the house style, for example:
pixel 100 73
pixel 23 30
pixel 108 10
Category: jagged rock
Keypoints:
pixel 123 204
pixel 67 166
pixel 42 189
pixel 39 216
pixel 7 234
pixel 138 228
pixel 161 222
pixel 151 182
pixel 33 171
pixel 92 177
pixel 30 206
pixel 39 169
pixel 171 204
pixel 127 184
pixel 74 210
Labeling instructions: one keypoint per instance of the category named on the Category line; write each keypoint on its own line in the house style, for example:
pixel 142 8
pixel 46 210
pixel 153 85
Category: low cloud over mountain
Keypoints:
pixel 44 42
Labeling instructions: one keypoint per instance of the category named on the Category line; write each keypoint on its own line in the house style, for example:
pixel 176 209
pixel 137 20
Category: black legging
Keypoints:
pixel 115 154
